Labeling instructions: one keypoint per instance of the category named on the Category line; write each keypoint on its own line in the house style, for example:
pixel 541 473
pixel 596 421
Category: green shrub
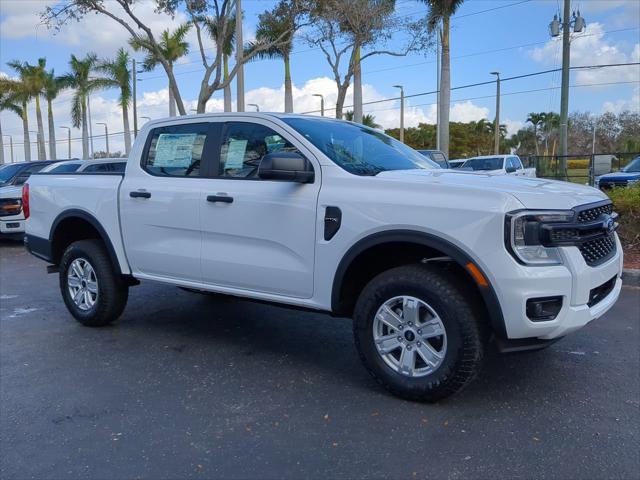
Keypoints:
pixel 626 202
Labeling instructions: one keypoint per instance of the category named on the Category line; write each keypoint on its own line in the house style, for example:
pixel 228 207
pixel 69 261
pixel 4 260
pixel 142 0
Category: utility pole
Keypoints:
pixel 10 148
pixel 496 146
pixel 106 135
pixel 68 141
pixel 239 59
pixel 401 111
pixel 555 26
pixel 321 102
pixel 36 142
pixel 135 101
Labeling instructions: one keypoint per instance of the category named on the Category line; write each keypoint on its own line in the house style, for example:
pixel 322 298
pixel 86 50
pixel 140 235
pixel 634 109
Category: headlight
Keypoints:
pixel 523 236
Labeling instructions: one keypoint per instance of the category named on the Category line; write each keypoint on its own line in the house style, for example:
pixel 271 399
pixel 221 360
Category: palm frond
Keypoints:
pixel 76 110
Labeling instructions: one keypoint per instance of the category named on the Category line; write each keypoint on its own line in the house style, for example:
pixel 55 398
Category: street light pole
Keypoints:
pixel 68 140
pixel 496 133
pixel 321 102
pixel 90 125
pixel 401 111
pixel 36 142
pixel 106 135
pixel 148 118
pixel 254 105
pixel 10 145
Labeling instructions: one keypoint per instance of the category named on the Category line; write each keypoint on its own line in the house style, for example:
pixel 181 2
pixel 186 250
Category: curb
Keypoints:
pixel 631 277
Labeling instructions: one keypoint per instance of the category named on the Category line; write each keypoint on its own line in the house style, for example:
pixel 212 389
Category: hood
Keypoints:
pixel 11 192
pixel 532 192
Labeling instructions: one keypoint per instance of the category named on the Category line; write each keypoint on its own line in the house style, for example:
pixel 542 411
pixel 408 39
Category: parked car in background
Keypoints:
pixel 332 216
pixel 105 165
pixel 437 156
pixel 629 175
pixel 12 177
pixel 499 165
pixel 457 163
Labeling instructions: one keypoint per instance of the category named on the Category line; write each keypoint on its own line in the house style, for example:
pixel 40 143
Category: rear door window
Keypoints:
pixel 175 151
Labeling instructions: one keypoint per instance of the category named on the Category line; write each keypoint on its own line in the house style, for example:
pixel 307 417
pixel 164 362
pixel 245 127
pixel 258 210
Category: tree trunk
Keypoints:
pixel 357 88
pixel 172 102
pixel 535 139
pixel 52 132
pixel 42 152
pixel 342 94
pixel 25 129
pixel 445 88
pixel 1 147
pixel 85 131
pixel 127 132
pixel 288 90
pixel 227 88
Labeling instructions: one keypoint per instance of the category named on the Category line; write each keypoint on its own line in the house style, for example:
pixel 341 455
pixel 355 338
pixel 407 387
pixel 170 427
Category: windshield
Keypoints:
pixel 358 149
pixel 494 163
pixel 633 167
pixel 7 172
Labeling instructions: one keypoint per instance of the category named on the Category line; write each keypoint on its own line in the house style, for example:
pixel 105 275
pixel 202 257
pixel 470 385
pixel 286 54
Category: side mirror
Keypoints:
pixel 288 166
pixel 511 169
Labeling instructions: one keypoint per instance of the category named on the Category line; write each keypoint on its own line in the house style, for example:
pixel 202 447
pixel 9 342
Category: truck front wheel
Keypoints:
pixel 418 333
pixel 90 287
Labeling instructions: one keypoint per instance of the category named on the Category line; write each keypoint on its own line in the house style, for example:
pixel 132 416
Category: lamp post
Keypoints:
pixel 106 135
pixel 254 105
pixel 401 111
pixel 10 145
pixel 496 133
pixel 239 59
pixel 148 118
pixel 556 26
pixel 68 140
pixel 321 102
pixel 90 127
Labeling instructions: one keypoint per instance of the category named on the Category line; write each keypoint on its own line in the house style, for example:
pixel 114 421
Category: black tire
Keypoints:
pixel 112 291
pixel 460 317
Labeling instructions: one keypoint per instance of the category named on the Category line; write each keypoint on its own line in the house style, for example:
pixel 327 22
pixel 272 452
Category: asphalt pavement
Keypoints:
pixel 195 386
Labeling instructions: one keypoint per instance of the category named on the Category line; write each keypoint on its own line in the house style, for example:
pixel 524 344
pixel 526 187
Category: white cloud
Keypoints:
pixel 513 126
pixel 632 104
pixel 94 32
pixel 591 48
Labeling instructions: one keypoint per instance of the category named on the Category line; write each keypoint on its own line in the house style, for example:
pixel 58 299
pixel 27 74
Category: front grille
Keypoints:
pixel 592 214
pixel 598 293
pixel 599 250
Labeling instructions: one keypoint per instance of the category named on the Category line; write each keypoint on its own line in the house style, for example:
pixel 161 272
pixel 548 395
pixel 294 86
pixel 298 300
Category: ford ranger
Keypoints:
pixel 499 165
pixel 332 216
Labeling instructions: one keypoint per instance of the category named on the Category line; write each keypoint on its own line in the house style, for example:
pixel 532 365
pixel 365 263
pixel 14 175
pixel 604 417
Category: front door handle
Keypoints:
pixel 219 198
pixel 140 194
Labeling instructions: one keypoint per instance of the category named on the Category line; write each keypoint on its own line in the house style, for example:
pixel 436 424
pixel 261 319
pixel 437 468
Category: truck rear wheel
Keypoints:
pixel 418 333
pixel 90 287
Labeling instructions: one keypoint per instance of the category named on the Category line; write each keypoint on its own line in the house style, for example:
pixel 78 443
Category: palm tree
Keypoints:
pixel 550 122
pixel 119 75
pixel 272 27
pixel 368 120
pixel 536 119
pixel 229 47
pixel 482 130
pixel 172 46
pixel 52 87
pixel 8 102
pixel 438 20
pixel 33 80
pixel 81 81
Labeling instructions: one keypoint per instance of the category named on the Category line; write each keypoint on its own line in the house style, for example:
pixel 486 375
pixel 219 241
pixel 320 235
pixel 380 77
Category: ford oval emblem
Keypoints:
pixel 609 224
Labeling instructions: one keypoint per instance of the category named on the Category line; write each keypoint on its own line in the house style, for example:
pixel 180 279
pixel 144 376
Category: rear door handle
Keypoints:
pixel 139 194
pixel 219 198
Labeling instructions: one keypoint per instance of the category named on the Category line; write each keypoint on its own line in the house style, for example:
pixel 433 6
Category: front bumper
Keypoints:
pixel 12 227
pixel 574 281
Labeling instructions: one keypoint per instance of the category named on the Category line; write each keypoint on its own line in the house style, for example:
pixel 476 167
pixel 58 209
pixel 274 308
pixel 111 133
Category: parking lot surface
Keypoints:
pixel 189 385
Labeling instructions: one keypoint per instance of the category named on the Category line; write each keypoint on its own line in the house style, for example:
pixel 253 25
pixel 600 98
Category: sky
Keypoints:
pixel 509 36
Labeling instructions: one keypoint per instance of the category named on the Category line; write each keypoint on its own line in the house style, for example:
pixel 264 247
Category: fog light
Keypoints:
pixel 543 309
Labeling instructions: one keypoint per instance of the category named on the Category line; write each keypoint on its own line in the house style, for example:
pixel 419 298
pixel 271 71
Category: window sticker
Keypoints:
pixel 174 150
pixel 235 154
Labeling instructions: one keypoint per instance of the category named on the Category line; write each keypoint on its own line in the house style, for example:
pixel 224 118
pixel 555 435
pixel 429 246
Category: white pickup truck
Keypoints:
pixel 332 216
pixel 498 165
